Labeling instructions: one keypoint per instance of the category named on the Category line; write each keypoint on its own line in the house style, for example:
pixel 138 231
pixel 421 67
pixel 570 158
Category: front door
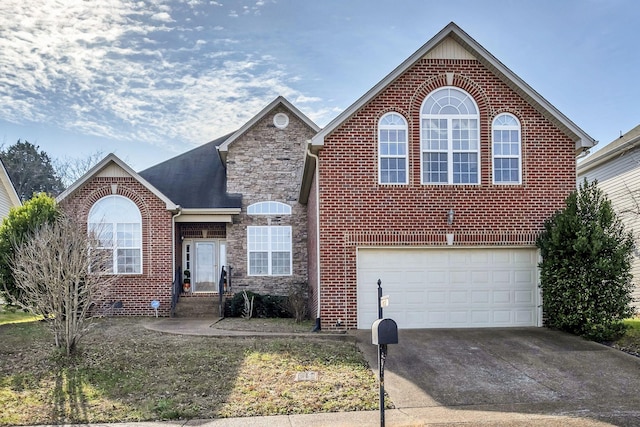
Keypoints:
pixel 205 274
pixel 204 259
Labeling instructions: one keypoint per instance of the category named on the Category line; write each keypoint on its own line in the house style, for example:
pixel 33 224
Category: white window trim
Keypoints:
pixel 269 208
pixel 114 236
pixel 450 151
pixel 405 157
pixel 519 156
pixel 270 250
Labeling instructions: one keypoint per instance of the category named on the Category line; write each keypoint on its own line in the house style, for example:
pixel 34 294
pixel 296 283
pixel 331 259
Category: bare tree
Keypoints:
pixel 70 169
pixel 62 276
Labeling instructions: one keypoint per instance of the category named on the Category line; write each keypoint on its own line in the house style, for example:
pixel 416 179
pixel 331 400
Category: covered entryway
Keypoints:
pixel 450 287
pixel 204 259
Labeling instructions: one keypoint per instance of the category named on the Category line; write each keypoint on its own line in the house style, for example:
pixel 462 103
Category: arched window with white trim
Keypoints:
pixel 269 208
pixel 450 141
pixel 117 223
pixel 269 247
pixel 392 149
pixel 507 150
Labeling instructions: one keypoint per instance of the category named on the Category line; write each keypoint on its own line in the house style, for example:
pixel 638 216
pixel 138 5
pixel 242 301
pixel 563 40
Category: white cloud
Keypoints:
pixel 162 16
pixel 107 69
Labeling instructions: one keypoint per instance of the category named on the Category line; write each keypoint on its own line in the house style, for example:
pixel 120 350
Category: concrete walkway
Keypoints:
pixel 484 380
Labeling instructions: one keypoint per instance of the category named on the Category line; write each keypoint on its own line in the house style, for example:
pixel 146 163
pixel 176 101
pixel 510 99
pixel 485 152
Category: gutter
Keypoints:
pixel 317 179
pixel 173 241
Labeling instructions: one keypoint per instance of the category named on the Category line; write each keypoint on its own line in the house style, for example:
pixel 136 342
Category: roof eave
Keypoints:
pixel 582 139
pixel 224 147
pixel 597 160
pixel 169 205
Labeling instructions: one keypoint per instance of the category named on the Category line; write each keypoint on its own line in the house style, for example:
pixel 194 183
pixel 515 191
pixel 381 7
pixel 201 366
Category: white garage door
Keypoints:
pixel 449 288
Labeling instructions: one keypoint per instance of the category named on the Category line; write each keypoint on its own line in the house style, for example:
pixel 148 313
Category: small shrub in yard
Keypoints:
pixel 264 306
pixel 298 300
pixel 585 270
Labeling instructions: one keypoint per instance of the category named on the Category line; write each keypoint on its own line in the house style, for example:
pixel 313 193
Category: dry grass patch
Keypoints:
pixel 125 372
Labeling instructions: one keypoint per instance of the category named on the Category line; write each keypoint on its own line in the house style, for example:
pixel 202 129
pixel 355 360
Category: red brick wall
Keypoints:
pixel 135 291
pixel 355 210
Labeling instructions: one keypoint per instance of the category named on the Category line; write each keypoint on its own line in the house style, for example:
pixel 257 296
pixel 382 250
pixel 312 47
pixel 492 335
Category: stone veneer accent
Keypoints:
pixel 265 164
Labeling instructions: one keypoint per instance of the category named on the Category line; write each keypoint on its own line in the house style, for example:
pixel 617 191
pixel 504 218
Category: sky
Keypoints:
pixel 151 79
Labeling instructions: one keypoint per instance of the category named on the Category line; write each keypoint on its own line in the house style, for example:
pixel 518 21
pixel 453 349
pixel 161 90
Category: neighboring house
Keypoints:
pixel 230 202
pixel 8 196
pixel 616 167
pixel 437 181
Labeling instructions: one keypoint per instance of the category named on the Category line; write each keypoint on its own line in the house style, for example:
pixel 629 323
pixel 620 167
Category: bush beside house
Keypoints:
pixel 585 269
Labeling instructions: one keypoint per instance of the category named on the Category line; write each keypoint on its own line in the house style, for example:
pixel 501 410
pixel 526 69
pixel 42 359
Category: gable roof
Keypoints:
pixel 14 199
pixel 581 139
pixel 280 100
pixel 113 159
pixel 195 179
pixel 614 149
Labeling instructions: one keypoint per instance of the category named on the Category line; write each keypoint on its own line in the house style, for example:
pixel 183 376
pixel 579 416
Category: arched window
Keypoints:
pixel 392 149
pixel 507 157
pixel 269 247
pixel 450 138
pixel 117 223
pixel 269 208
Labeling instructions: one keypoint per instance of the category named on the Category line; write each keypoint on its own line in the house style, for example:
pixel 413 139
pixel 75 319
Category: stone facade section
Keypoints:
pixel 132 294
pixel 357 211
pixel 265 164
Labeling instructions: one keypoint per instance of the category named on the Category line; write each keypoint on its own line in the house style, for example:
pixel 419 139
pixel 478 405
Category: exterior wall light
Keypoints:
pixel 450 215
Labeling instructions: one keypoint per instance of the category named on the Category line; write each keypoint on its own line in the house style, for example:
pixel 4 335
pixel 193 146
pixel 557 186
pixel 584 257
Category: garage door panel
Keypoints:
pixel 479 277
pixel 502 317
pixel 523 297
pixel 458 297
pixel 502 297
pixel 452 287
pixel 436 297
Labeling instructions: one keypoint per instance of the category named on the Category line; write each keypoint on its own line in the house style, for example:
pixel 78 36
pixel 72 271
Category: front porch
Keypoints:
pixel 201 280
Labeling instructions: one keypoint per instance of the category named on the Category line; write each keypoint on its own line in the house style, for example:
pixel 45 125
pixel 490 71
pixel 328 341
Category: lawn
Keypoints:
pixel 125 372
pixel 13 315
pixel 630 342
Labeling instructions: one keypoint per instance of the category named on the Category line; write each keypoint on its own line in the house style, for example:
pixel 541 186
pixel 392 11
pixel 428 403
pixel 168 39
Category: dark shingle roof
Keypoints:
pixel 196 179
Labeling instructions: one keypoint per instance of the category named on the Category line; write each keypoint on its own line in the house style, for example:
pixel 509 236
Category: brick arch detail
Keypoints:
pixel 122 190
pixel 460 81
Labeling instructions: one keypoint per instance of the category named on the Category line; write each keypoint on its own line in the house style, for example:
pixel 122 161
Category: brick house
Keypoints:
pixel 203 211
pixel 437 182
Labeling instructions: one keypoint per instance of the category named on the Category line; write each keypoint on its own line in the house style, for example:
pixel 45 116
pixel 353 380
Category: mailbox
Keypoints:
pixel 384 331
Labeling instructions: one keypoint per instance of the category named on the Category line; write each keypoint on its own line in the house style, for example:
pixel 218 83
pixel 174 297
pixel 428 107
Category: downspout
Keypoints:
pixel 173 241
pixel 317 327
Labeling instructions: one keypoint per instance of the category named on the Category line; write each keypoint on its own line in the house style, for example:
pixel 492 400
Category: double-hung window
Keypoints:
pixel 507 158
pixel 117 223
pixel 269 247
pixel 269 250
pixel 450 143
pixel 392 149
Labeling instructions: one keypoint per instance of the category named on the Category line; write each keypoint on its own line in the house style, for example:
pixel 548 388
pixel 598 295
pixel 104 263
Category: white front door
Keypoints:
pixel 203 259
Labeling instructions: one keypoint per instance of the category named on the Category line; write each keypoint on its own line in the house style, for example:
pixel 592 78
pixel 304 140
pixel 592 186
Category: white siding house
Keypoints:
pixel 616 167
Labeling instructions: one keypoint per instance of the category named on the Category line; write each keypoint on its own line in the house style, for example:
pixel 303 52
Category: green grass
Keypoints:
pixel 630 342
pixel 633 324
pixel 124 372
pixel 9 314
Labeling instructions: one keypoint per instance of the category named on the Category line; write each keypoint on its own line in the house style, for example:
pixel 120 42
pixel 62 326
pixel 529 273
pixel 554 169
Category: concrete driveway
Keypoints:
pixel 515 371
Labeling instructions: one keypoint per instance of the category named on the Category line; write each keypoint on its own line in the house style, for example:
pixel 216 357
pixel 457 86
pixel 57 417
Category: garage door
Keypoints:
pixel 449 288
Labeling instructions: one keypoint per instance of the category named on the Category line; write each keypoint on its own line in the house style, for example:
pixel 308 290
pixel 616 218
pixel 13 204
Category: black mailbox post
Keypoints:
pixel 383 332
